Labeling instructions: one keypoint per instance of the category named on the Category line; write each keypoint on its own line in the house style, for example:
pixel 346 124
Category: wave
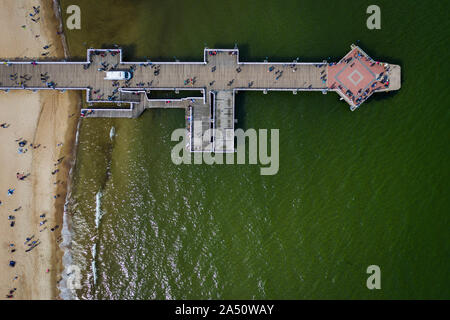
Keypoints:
pixel 112 133
pixel 94 269
pixel 66 233
pixel 98 208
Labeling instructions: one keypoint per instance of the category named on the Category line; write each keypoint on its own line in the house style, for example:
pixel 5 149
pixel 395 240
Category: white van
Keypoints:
pixel 118 75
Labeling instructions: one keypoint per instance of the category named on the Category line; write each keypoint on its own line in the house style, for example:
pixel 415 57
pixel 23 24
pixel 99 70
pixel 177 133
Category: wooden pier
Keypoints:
pixel 218 78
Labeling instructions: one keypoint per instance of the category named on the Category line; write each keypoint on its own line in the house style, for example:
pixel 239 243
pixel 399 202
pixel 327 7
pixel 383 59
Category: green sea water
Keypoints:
pixel 354 189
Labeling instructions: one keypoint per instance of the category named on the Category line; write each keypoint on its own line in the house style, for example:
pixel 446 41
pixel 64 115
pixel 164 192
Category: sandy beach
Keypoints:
pixel 45 123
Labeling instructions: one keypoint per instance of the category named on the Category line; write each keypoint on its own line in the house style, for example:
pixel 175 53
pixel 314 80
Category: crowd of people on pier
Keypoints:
pixel 380 82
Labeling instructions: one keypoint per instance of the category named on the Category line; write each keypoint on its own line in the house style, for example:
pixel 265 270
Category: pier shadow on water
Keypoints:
pixel 239 109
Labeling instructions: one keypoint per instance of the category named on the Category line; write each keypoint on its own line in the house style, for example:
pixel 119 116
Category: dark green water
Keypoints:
pixel 353 189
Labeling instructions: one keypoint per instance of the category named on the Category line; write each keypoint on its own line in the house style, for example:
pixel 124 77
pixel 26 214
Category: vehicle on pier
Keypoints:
pixel 118 75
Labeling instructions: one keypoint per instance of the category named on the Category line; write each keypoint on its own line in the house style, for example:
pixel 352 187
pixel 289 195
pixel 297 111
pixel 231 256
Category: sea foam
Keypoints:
pixel 112 133
pixel 98 208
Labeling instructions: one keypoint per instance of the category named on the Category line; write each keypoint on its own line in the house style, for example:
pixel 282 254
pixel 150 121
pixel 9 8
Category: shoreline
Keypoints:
pixel 65 255
pixel 50 121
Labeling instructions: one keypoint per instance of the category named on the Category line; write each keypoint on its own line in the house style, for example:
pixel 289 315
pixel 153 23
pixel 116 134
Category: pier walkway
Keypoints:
pixel 355 77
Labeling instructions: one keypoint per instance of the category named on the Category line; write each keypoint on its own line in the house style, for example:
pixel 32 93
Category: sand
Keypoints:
pixel 48 119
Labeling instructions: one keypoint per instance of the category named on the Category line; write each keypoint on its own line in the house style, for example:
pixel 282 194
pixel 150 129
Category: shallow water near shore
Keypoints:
pixel 353 189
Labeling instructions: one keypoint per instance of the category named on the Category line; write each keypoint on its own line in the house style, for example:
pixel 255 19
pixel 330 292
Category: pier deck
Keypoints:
pixel 218 77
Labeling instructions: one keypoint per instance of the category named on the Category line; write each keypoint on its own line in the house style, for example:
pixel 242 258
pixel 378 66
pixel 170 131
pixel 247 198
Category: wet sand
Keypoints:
pixel 45 119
